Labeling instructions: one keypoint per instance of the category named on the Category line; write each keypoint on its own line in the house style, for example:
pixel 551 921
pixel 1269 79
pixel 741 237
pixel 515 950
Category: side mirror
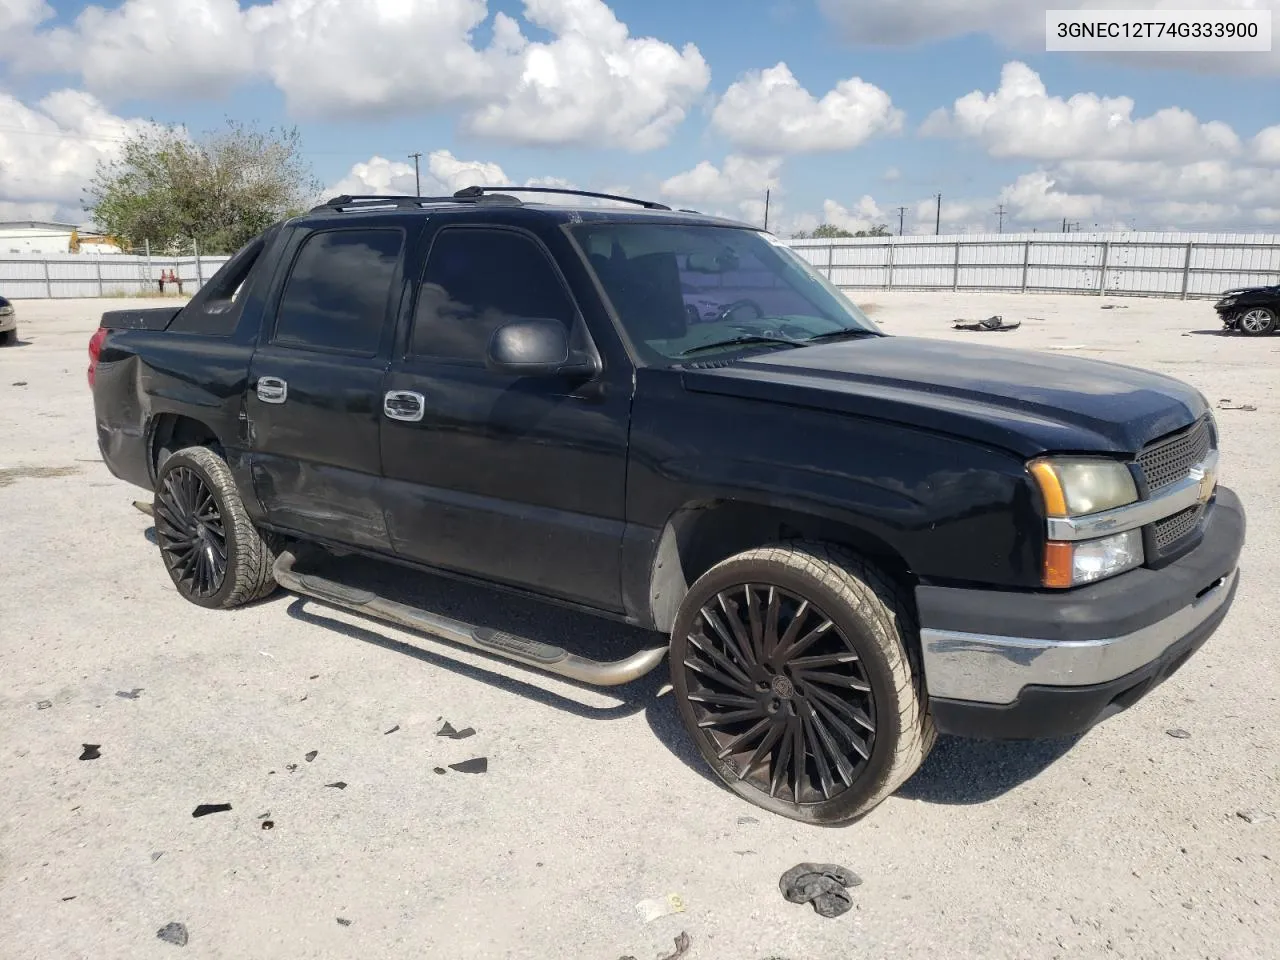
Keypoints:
pixel 535 348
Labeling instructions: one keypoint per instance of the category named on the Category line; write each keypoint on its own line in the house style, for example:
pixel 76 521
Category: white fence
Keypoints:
pixel 29 276
pixel 1137 264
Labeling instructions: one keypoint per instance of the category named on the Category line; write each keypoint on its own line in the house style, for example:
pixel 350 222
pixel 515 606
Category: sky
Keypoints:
pixel 845 111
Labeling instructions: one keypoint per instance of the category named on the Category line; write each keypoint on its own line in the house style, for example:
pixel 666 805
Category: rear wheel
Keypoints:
pixel 1257 322
pixel 792 672
pixel 214 554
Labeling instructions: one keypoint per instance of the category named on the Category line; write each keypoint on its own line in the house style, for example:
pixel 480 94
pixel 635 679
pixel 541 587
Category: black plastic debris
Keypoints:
pixel 343 921
pixel 683 943
pixel 19 383
pixel 448 731
pixel 92 751
pixel 311 755
pixel 263 816
pixel 207 808
pixel 44 704
pixel 991 323
pixel 1178 734
pixel 130 694
pixel 1254 816
pixel 338 784
pixel 314 676
pixel 65 899
pixel 268 824
pixel 392 730
pixel 156 855
pixel 474 765
pixel 174 933
pixel 291 767
pixel 440 770
pixel 822 884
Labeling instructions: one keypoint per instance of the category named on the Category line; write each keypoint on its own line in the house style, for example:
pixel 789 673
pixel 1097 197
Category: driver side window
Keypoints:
pixel 477 279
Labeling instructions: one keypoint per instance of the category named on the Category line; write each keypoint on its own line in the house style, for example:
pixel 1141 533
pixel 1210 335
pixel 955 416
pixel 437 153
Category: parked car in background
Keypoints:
pixel 1254 311
pixel 8 323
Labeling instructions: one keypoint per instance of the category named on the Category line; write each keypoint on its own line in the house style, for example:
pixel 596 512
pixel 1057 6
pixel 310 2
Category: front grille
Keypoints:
pixel 1168 461
pixel 1170 530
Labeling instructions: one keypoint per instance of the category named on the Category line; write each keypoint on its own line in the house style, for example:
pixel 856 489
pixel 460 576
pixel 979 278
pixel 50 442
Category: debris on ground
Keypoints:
pixel 291 767
pixel 314 676
pixel 268 824
pixel 92 751
pixel 474 765
pixel 130 694
pixel 207 808
pixel 174 933
pixel 683 943
pixel 1115 306
pixel 743 820
pixel 744 853
pixel 822 884
pixel 65 899
pixel 392 730
pixel 1255 816
pixel 19 383
pixel 1178 734
pixel 448 731
pixel 311 755
pixel 439 770
pixel 343 921
pixel 1226 404
pixel 339 784
pixel 991 323
pixel 651 910
pixel 156 855
pixel 43 704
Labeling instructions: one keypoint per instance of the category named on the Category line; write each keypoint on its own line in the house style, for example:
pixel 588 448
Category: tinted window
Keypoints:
pixel 477 280
pixel 337 294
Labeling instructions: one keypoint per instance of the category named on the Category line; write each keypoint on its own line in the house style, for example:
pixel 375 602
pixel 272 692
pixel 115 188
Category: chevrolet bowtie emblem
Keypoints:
pixel 1207 480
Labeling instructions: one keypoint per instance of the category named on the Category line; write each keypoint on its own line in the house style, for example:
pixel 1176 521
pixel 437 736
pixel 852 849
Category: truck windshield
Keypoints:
pixel 691 291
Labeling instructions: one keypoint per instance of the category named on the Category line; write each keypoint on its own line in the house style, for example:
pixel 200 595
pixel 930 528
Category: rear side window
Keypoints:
pixel 475 281
pixel 337 294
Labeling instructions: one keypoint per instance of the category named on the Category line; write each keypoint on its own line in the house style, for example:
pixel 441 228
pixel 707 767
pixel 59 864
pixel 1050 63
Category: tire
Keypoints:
pixel 8 338
pixel 858 671
pixel 213 553
pixel 1257 321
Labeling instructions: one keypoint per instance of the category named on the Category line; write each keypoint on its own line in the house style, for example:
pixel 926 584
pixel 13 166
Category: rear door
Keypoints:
pixel 520 480
pixel 314 402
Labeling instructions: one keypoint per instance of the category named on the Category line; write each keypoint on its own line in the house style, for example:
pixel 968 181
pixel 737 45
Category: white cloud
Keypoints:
pixel 50 151
pixel 1034 197
pixel 1266 146
pixel 1021 120
pixel 442 174
pixel 590 83
pixel 736 188
pixel 866 213
pixel 891 174
pixel 769 111
pixel 1019 25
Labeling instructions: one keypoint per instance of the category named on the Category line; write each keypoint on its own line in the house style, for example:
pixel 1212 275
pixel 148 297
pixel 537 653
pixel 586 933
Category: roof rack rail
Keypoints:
pixel 368 201
pixel 475 192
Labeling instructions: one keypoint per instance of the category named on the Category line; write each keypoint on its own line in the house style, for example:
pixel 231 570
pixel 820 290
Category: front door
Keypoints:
pixel 512 479
pixel 314 403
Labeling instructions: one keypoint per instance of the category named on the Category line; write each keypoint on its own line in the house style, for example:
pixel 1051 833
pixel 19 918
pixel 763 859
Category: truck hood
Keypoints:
pixel 1025 401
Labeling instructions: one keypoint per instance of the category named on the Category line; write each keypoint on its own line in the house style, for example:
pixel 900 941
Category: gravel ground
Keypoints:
pixel 1125 843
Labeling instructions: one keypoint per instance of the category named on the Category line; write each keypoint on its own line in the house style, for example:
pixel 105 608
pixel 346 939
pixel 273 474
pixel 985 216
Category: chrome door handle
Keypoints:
pixel 404 405
pixel 272 390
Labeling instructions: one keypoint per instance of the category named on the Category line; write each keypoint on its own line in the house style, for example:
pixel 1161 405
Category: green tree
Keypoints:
pixel 220 190
pixel 829 231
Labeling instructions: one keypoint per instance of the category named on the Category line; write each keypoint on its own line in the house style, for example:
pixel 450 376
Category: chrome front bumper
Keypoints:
pixel 993 669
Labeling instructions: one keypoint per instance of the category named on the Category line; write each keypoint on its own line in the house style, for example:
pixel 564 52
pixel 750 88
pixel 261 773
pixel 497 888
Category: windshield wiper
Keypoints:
pixel 739 341
pixel 853 333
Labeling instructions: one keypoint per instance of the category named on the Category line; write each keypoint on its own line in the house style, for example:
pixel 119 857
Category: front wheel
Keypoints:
pixel 214 554
pixel 791 670
pixel 1257 322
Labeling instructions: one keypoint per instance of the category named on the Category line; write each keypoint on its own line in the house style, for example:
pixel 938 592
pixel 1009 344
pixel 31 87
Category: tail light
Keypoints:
pixel 95 349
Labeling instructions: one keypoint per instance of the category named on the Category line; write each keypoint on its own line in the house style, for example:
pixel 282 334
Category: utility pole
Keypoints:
pixel 937 224
pixel 902 213
pixel 766 208
pixel 417 178
pixel 1000 214
pixel 1064 224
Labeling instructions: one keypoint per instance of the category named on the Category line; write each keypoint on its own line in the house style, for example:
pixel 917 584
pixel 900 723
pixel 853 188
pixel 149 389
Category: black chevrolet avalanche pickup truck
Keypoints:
pixel 844 542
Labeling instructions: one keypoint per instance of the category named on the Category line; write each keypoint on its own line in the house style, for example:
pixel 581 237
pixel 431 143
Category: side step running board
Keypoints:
pixel 521 650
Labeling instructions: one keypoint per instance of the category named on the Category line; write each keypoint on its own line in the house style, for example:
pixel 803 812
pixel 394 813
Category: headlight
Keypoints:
pixel 1084 561
pixel 1077 487
pixel 6 311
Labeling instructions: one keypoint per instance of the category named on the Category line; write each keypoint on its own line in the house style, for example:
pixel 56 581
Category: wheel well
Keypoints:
pixel 171 432
pixel 699 537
